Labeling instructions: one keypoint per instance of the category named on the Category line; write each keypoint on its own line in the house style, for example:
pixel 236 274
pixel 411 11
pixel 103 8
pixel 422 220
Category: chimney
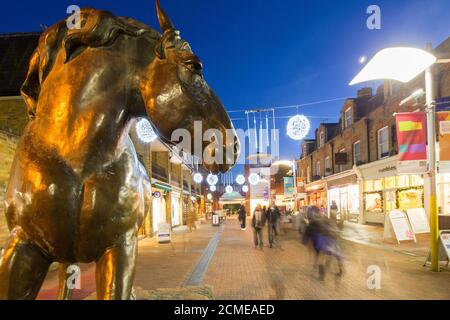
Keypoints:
pixel 365 92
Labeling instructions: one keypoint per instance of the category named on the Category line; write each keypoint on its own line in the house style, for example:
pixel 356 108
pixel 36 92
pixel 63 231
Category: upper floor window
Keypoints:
pixel 322 139
pixel 348 119
pixel 327 165
pixel 357 152
pixel 305 150
pixel 341 166
pixel 383 142
pixel 308 174
pixel 318 168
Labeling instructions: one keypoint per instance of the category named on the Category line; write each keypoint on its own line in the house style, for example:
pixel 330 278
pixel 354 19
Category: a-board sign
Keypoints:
pixel 164 232
pixel 215 220
pixel 418 220
pixel 444 235
pixel 396 223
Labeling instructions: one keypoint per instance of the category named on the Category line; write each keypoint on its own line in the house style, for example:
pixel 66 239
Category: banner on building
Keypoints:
pixel 288 187
pixel 412 142
pixel 443 123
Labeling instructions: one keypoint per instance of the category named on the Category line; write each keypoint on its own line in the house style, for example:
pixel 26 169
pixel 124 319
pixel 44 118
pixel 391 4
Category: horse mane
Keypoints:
pixel 99 28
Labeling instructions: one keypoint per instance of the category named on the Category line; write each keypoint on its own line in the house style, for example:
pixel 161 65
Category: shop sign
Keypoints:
pixel 412 142
pixel 397 224
pixel 164 233
pixel 157 194
pixel 418 220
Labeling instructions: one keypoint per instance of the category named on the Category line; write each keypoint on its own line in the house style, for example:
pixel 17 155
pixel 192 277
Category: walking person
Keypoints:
pixel 273 218
pixel 258 222
pixel 242 216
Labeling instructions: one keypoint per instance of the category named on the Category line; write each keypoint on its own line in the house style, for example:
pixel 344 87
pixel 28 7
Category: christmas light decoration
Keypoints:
pixel 229 189
pixel 240 179
pixel 212 179
pixel 213 188
pixel 245 188
pixel 253 179
pixel 209 196
pixel 298 127
pixel 145 131
pixel 198 178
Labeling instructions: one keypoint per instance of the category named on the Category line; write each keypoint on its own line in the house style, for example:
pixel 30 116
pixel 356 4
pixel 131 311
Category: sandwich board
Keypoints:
pixel 418 220
pixel 444 247
pixel 164 232
pixel 396 224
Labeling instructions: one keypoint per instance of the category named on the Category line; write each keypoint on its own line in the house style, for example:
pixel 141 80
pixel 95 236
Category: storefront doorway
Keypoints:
pixel 158 212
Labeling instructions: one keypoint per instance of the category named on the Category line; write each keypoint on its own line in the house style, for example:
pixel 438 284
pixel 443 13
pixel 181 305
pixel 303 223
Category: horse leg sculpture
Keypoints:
pixel 115 271
pixel 23 268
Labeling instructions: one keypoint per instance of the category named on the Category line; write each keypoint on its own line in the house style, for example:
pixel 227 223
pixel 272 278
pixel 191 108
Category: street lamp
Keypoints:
pixel 404 64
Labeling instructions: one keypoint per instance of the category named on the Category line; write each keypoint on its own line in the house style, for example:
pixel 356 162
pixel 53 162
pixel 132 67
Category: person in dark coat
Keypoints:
pixel 272 217
pixel 242 215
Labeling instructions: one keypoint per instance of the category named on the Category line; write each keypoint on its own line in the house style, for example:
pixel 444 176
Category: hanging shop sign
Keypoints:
pixel 443 118
pixel 288 187
pixel 157 194
pixel 397 224
pixel 412 142
pixel 418 220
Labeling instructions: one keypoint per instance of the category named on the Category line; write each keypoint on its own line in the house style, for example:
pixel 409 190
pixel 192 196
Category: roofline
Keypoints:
pixel 20 34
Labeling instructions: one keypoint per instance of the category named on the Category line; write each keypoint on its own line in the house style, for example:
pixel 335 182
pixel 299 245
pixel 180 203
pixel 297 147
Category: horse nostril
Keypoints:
pixel 237 147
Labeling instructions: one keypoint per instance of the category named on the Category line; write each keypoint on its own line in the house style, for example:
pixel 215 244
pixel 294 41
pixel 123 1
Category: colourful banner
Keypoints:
pixel 443 120
pixel 288 186
pixel 411 136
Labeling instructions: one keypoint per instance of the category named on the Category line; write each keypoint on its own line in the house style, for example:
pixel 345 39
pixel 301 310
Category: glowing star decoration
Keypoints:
pixel 229 189
pixel 240 179
pixel 245 189
pixel 198 178
pixel 209 196
pixel 212 179
pixel 253 179
pixel 145 131
pixel 212 188
pixel 298 127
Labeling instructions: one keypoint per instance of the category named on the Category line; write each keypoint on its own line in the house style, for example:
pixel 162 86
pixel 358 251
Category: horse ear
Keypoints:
pixel 163 19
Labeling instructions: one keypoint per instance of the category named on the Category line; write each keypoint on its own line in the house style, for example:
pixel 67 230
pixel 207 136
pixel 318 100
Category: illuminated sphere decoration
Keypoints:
pixel 212 188
pixel 212 179
pixel 229 189
pixel 209 196
pixel 198 178
pixel 253 179
pixel 240 179
pixel 245 188
pixel 145 131
pixel 298 127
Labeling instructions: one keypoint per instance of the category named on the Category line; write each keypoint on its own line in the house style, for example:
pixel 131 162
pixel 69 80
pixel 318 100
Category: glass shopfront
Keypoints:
pixel 347 202
pixel 389 193
pixel 443 193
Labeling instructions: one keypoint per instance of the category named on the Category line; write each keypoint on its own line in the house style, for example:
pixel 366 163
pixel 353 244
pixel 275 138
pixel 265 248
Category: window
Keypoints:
pixel 305 150
pixel 383 143
pixel 322 139
pixel 357 152
pixel 318 168
pixel 308 173
pixel 327 165
pixel 341 166
pixel 348 117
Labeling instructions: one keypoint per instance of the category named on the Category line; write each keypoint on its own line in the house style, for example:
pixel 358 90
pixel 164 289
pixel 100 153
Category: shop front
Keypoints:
pixel 384 190
pixel 344 193
pixel 176 208
pixel 316 194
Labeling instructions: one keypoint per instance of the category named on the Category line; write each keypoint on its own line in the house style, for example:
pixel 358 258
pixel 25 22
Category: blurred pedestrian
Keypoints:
pixel 242 216
pixel 323 238
pixel 273 218
pixel 258 222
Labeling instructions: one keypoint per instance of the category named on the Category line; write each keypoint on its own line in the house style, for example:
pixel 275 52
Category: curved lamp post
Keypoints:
pixel 404 64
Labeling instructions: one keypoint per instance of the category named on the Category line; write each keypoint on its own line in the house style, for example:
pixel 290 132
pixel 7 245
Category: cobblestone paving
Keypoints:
pixel 238 271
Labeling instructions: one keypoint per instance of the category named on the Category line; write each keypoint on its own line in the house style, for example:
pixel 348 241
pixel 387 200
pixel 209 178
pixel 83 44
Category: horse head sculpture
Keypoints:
pixel 76 191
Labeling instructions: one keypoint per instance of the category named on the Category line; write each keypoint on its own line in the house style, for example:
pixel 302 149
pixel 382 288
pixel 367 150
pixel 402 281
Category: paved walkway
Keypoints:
pixel 225 259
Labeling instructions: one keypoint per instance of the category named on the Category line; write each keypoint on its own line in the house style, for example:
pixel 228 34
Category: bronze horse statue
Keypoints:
pixel 75 194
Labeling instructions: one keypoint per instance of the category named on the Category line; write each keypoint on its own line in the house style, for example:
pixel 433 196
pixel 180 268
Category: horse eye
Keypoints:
pixel 194 65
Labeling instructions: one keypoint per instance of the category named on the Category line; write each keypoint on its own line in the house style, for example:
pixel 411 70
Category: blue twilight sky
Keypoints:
pixel 264 53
